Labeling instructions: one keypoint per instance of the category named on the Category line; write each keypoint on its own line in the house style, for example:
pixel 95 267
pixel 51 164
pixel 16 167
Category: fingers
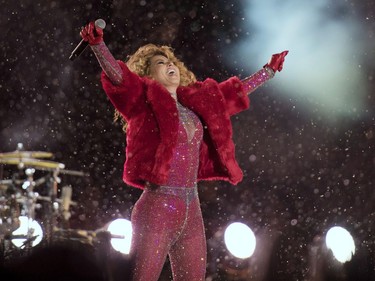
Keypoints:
pixel 281 58
pixel 85 32
pixel 281 63
pixel 91 27
pixel 91 33
pixel 283 55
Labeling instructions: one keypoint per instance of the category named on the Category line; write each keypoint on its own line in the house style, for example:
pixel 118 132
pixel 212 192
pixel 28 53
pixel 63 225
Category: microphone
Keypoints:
pixel 83 44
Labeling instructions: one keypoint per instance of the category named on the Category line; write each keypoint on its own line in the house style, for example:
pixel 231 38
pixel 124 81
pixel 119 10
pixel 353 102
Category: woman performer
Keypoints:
pixel 178 133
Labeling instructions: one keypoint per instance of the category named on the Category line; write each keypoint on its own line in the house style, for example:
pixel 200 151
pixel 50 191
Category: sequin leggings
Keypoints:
pixel 168 221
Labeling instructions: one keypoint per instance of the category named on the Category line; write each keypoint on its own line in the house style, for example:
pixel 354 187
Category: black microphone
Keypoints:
pixel 83 44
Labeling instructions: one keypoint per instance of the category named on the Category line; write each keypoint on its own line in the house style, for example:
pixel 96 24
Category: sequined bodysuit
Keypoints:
pixel 186 156
pixel 176 229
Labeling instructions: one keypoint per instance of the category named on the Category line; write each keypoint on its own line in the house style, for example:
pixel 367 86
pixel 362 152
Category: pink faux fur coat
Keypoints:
pixel 152 119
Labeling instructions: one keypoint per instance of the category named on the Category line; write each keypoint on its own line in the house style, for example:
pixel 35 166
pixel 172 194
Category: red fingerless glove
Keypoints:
pixel 276 62
pixel 92 34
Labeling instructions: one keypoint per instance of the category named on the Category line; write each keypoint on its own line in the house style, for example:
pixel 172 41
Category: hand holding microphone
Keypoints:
pixel 91 34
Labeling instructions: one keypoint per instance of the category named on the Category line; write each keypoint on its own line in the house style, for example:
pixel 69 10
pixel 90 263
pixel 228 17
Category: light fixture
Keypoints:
pixel 341 242
pixel 240 240
pixel 29 231
pixel 121 232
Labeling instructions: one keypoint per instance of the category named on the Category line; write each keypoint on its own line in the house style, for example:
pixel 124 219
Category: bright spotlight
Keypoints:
pixel 240 240
pixel 29 231
pixel 332 73
pixel 341 242
pixel 123 229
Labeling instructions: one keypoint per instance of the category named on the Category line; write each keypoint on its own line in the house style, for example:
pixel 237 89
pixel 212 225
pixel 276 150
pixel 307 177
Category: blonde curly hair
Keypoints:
pixel 140 62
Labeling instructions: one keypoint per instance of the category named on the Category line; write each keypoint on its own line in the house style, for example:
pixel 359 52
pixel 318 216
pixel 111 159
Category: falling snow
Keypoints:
pixel 307 165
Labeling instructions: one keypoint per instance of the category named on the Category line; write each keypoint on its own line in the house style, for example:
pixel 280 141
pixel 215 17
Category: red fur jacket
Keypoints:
pixel 152 119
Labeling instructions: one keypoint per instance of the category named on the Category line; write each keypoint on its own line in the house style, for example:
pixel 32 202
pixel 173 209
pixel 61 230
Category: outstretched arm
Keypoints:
pixel 106 60
pixel 256 80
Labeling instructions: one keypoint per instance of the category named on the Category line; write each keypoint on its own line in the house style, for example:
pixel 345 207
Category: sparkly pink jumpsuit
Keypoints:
pixel 167 220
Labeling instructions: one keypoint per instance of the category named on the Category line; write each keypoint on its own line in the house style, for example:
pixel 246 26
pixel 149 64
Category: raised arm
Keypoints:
pixel 106 60
pixel 254 81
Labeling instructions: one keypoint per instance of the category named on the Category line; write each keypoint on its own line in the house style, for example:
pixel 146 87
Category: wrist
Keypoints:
pixel 269 70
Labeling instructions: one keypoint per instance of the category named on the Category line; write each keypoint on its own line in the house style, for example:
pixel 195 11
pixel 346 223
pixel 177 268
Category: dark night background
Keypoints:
pixel 303 171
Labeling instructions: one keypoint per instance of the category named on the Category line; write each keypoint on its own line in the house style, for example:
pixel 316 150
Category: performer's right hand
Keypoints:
pixel 92 34
pixel 277 61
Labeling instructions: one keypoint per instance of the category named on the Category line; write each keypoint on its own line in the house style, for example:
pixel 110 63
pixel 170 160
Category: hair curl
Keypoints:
pixel 140 62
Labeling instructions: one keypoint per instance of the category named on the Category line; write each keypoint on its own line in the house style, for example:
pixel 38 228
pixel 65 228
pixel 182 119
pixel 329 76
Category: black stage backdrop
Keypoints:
pixel 302 174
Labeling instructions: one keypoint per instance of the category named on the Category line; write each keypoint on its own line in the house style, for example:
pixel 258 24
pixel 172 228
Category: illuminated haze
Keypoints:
pixel 322 71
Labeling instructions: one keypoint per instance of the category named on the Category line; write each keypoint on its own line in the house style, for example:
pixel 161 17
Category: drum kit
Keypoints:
pixel 26 199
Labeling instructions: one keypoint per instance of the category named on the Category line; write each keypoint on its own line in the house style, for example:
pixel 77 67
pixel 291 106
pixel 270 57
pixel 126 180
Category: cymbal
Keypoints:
pixel 26 154
pixel 31 162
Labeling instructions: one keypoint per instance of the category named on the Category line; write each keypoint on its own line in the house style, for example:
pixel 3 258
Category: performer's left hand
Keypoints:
pixel 277 60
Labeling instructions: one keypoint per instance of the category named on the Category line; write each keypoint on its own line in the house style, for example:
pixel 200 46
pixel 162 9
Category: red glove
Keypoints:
pixel 92 34
pixel 277 60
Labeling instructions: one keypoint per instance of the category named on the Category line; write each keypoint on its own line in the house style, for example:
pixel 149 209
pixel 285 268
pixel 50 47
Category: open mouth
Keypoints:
pixel 171 72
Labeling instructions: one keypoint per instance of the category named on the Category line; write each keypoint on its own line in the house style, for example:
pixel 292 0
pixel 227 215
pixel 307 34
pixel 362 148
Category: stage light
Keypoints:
pixel 121 228
pixel 26 185
pixel 240 240
pixel 341 242
pixel 332 73
pixel 29 231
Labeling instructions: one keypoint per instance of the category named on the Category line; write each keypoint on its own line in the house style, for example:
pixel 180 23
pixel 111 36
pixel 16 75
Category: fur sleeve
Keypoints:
pixel 235 95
